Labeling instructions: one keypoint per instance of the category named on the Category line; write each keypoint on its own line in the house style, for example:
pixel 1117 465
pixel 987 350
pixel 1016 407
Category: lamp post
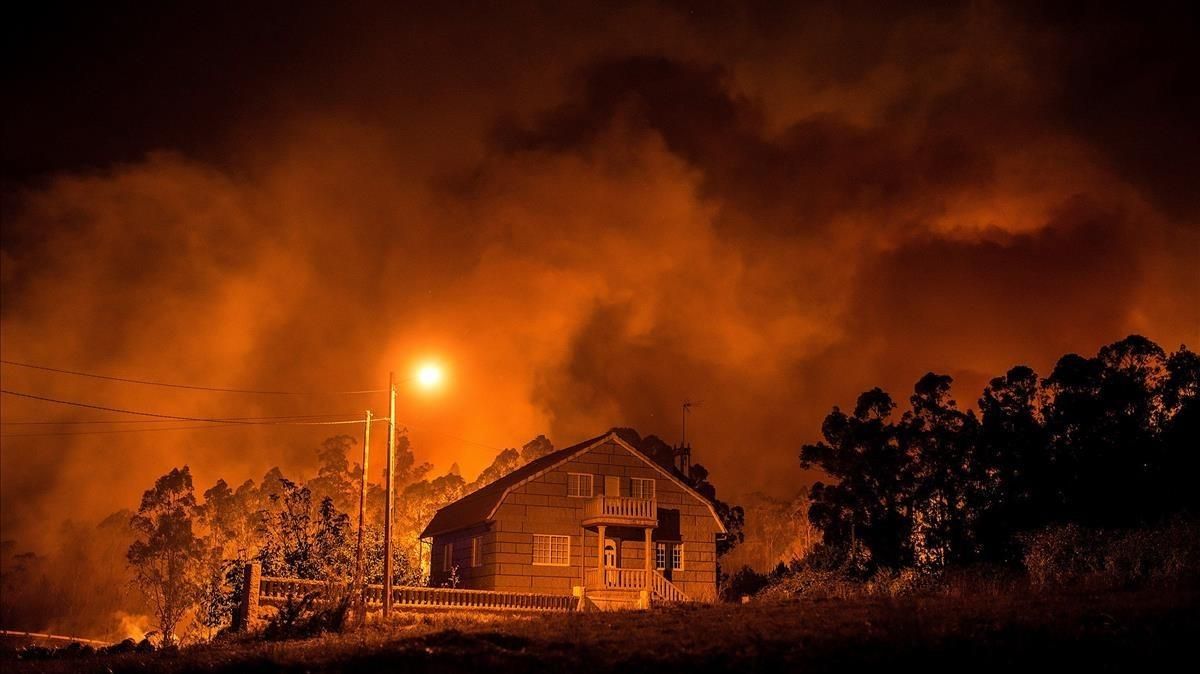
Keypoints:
pixel 390 488
pixel 360 590
pixel 429 376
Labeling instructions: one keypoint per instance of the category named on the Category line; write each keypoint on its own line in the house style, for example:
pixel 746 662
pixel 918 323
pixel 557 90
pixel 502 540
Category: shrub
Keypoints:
pixel 745 581
pixel 1068 555
pixel 308 617
pixel 1060 555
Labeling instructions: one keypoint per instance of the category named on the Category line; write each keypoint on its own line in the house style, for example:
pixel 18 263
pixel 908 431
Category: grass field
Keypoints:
pixel 1112 631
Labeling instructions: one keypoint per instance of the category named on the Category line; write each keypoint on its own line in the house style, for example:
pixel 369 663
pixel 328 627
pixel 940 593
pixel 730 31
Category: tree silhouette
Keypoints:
pixel 870 504
pixel 1108 441
pixel 166 554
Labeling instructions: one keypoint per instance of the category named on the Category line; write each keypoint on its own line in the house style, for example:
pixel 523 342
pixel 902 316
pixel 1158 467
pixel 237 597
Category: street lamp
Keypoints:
pixel 428 376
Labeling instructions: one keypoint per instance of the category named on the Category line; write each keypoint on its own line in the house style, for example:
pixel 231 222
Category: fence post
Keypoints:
pixel 247 611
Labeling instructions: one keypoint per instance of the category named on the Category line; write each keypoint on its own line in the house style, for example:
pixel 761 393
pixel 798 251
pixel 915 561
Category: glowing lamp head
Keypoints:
pixel 429 376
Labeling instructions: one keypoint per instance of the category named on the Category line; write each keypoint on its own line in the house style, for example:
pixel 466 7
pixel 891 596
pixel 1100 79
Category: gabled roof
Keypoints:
pixel 479 506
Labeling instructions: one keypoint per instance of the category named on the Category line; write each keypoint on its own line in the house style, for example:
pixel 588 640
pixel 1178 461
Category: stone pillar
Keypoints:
pixel 247 612
pixel 649 560
pixel 600 570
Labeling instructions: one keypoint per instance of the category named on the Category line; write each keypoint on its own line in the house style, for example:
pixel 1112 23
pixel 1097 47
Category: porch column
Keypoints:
pixel 600 572
pixel 649 560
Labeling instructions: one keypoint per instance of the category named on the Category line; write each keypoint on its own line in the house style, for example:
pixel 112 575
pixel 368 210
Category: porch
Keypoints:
pixel 609 584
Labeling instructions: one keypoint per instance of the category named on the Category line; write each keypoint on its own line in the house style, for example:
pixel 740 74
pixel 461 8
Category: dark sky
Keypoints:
pixel 588 213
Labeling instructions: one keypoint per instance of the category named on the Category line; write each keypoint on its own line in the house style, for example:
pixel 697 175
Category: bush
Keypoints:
pixel 1070 555
pixel 745 581
pixel 308 617
pixel 812 583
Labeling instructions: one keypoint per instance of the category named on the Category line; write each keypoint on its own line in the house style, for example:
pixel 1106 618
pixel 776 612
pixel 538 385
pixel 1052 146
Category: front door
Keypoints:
pixel 610 561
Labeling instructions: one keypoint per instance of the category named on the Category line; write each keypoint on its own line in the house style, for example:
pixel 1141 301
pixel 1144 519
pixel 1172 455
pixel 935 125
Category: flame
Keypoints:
pixel 132 625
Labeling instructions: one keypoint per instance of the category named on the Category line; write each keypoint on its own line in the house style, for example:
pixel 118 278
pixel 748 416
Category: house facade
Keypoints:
pixel 599 519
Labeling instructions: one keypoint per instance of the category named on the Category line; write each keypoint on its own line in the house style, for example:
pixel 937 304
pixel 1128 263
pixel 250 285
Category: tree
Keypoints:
pixel 867 512
pixel 1179 394
pixel 166 554
pixel 1012 472
pixel 939 441
pixel 301 543
pixel 334 478
pixel 1104 416
pixel 505 462
pixel 1107 441
pixel 536 449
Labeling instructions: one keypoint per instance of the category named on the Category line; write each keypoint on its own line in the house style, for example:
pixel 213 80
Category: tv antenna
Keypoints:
pixel 683 453
pixel 687 409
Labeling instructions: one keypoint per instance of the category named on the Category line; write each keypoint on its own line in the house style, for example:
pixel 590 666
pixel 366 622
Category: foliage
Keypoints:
pixel 299 542
pixel 1104 441
pixel 218 595
pixel 1070 554
pixel 775 530
pixel 744 582
pixel 308 616
pixel 166 554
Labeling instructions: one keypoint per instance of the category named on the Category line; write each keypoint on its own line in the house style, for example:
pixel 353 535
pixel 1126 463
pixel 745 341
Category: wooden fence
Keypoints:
pixel 262 590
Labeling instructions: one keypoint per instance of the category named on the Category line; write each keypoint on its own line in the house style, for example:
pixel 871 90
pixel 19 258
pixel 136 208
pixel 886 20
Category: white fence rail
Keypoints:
pixel 276 591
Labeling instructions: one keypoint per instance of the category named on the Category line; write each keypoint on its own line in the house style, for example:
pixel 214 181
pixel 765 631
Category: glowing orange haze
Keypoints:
pixel 584 242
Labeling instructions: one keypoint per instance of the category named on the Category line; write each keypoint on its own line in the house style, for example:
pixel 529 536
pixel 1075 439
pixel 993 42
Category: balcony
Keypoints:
pixel 621 511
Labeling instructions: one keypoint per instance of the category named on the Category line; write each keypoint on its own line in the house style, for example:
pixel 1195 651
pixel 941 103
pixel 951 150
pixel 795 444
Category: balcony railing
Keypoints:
pixel 621 510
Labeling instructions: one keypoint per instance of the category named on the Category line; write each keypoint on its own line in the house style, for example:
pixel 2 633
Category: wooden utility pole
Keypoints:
pixel 360 590
pixel 389 508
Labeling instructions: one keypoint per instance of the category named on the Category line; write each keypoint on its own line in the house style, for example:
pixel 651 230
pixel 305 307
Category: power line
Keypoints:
pixel 121 430
pixel 214 426
pixel 145 382
pixel 227 420
pixel 79 421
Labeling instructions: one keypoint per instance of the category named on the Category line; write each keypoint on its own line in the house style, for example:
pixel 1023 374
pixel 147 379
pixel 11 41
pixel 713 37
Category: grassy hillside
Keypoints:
pixel 1109 632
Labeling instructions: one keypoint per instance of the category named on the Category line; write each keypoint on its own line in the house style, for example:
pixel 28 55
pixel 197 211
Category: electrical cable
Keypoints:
pixel 146 382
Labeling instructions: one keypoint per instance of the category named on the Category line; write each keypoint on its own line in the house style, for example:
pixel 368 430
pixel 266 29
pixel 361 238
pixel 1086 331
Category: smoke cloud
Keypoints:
pixel 587 216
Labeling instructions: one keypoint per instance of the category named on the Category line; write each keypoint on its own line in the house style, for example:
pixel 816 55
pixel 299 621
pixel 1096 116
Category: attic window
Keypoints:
pixel 579 485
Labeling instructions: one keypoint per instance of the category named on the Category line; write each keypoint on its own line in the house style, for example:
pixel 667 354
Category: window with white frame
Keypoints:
pixel 677 557
pixel 579 485
pixel 641 487
pixel 477 551
pixel 551 550
pixel 660 556
pixel 447 556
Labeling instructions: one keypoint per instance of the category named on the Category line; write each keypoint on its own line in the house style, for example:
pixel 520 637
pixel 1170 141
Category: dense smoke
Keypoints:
pixel 589 217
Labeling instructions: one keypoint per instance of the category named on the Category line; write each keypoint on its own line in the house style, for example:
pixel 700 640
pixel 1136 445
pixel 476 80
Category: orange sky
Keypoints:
pixel 588 216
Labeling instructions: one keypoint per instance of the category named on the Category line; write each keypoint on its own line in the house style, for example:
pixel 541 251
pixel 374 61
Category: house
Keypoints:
pixel 599 520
